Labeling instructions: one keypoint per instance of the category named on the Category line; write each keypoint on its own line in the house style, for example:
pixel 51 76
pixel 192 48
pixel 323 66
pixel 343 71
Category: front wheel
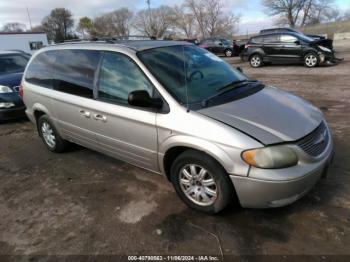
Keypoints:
pixel 311 60
pixel 201 182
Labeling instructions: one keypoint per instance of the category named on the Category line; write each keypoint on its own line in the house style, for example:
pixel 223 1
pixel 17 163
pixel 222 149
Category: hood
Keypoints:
pixel 11 80
pixel 271 116
pixel 324 42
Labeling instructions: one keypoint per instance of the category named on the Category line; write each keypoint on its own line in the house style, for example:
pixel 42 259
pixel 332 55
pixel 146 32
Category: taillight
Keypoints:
pixel 20 91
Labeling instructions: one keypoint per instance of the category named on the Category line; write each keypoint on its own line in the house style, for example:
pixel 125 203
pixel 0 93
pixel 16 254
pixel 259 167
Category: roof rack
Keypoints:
pixel 109 39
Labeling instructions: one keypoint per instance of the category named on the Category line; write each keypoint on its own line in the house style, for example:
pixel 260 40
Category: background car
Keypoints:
pixel 326 42
pixel 220 46
pixel 12 65
pixel 287 48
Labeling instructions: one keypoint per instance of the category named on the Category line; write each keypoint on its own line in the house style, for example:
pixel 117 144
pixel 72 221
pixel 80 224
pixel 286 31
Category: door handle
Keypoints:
pixel 100 117
pixel 84 113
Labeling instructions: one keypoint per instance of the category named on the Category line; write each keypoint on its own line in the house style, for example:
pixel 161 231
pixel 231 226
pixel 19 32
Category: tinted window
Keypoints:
pixel 39 71
pixel 288 38
pixel 12 63
pixel 119 76
pixel 257 40
pixel 74 71
pixel 271 39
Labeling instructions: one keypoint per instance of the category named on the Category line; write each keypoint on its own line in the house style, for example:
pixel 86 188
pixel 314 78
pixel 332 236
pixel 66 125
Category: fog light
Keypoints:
pixel 7 105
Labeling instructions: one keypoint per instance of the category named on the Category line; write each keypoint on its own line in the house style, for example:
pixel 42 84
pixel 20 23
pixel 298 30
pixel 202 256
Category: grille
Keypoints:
pixel 315 142
pixel 15 88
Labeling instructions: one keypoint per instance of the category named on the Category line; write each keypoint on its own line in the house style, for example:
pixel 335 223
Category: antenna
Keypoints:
pixel 30 21
pixel 185 71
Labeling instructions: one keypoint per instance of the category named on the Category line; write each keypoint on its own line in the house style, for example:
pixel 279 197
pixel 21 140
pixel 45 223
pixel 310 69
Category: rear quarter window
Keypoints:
pixel 39 71
pixel 256 40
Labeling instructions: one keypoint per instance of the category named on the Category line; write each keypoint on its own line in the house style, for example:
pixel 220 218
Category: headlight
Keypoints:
pixel 271 157
pixel 324 49
pixel 5 89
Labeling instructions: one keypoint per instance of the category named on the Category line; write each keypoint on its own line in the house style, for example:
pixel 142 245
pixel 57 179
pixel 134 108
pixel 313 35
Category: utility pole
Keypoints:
pixel 150 16
pixel 30 21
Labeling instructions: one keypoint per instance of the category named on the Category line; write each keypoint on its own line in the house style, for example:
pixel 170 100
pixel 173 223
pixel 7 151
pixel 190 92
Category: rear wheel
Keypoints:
pixel 50 136
pixel 256 61
pixel 201 182
pixel 228 53
pixel 311 60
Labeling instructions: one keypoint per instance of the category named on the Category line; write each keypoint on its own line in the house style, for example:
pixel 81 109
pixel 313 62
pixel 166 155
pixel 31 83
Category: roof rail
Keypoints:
pixel 109 39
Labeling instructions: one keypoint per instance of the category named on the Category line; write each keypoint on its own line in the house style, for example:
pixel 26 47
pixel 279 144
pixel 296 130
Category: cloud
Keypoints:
pixel 15 11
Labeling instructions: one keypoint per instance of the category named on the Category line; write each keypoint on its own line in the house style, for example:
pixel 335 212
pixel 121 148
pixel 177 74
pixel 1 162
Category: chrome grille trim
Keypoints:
pixel 15 88
pixel 316 142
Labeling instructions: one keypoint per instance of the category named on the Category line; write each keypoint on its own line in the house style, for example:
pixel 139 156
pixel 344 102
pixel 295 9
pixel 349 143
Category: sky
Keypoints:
pixel 253 17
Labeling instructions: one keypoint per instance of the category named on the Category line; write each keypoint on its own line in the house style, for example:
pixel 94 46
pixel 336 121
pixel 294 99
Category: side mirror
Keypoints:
pixel 239 69
pixel 220 43
pixel 297 42
pixel 142 98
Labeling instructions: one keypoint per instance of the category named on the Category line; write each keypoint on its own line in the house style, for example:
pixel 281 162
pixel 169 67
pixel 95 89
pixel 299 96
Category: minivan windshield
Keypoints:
pixel 189 73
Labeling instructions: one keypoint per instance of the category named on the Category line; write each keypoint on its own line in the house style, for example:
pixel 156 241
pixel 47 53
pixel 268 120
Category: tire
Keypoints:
pixel 51 138
pixel 311 60
pixel 228 53
pixel 200 196
pixel 256 61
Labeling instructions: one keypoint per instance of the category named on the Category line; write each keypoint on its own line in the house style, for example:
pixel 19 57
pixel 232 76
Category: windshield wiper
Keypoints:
pixel 227 88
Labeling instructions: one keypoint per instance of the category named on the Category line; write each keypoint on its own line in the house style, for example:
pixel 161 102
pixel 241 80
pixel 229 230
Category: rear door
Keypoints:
pixel 125 132
pixel 272 47
pixel 72 98
pixel 218 47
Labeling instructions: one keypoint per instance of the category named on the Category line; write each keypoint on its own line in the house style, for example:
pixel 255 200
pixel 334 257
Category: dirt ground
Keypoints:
pixel 84 203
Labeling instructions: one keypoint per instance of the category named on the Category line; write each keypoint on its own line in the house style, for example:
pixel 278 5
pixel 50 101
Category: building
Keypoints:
pixel 28 42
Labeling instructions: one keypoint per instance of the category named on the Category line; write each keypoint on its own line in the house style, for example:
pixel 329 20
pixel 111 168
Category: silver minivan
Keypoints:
pixel 176 109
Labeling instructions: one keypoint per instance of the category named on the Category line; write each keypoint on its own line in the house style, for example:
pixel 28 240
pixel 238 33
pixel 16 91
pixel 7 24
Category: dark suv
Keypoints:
pixel 286 29
pixel 220 46
pixel 286 48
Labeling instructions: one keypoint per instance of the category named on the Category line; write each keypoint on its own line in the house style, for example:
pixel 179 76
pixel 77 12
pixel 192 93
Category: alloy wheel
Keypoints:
pixel 198 185
pixel 48 134
pixel 228 53
pixel 255 61
pixel 311 60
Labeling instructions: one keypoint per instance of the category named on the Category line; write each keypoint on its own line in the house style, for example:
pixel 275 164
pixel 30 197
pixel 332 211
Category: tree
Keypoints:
pixel 302 12
pixel 116 24
pixel 211 19
pixel 58 25
pixel 14 27
pixel 288 10
pixel 155 22
pixel 346 15
pixel 85 26
pixel 184 21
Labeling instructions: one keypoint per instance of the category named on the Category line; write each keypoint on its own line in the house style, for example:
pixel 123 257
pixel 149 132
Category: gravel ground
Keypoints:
pixel 85 203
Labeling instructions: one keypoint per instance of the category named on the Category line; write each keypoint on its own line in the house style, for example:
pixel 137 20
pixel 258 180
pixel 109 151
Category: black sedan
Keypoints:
pixel 12 65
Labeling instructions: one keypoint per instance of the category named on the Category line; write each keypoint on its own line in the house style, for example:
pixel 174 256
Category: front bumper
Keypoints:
pixel 260 190
pixel 17 111
pixel 12 113
pixel 329 58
